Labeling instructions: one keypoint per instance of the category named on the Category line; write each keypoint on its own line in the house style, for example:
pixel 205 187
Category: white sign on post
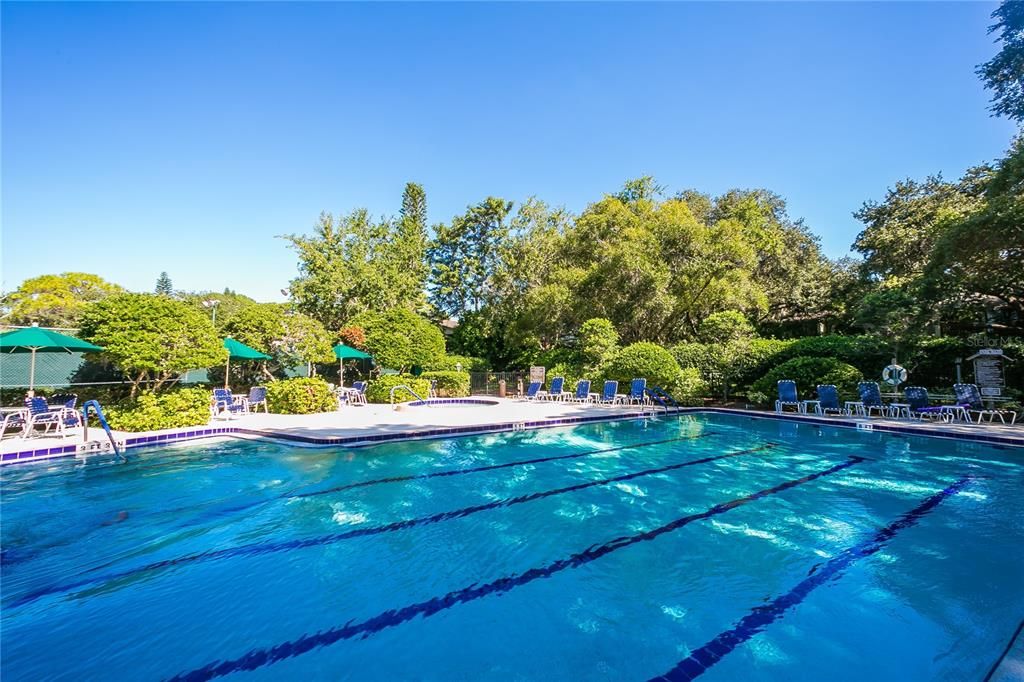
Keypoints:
pixel 536 374
pixel 988 371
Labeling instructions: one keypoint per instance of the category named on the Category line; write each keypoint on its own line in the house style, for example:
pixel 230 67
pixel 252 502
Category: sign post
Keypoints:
pixel 988 371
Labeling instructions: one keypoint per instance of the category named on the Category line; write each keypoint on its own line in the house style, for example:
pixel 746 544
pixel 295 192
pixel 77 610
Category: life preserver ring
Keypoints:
pixel 894 375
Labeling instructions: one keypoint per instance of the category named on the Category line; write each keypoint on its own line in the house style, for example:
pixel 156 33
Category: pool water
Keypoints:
pixel 713 546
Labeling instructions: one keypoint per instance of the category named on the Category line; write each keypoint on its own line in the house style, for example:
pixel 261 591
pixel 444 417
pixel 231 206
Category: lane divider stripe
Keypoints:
pixel 258 658
pixel 706 656
pixel 256 549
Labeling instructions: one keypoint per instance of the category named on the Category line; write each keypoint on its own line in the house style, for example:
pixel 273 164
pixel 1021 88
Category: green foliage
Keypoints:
pixel 400 339
pixel 151 411
pixel 55 300
pixel 570 372
pixel 464 257
pixel 452 363
pixel 1003 73
pixel 598 341
pixel 290 339
pixel 150 337
pixel 302 395
pixel 646 360
pixel 355 264
pixel 808 373
pixel 725 326
pixel 226 305
pixel 164 287
pixel 449 384
pixel 690 388
pixel 975 265
pixel 379 389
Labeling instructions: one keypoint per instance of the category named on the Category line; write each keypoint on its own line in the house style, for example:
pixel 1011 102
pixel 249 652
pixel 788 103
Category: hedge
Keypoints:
pixel 151 411
pixel 450 363
pixel 379 390
pixel 302 395
pixel 449 384
pixel 808 373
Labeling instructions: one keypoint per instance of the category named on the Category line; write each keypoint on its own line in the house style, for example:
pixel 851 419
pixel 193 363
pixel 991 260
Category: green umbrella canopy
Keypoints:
pixel 239 351
pixel 343 352
pixel 36 339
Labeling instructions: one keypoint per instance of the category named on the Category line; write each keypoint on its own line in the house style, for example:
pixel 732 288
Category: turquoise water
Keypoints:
pixel 712 546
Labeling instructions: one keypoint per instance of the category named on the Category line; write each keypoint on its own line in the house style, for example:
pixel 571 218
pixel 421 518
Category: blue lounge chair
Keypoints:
pixel 636 393
pixel 969 398
pixel 257 399
pixel 609 393
pixel 828 400
pixel 225 404
pixel 787 396
pixel 582 394
pixel 871 399
pixel 554 391
pixel 41 414
pixel 532 390
pixel 920 405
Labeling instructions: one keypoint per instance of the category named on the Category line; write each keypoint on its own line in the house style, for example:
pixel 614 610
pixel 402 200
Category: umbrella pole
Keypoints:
pixel 227 371
pixel 341 373
pixel 32 375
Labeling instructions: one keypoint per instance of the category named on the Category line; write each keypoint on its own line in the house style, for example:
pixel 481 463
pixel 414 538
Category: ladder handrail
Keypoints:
pixel 95 405
pixel 391 395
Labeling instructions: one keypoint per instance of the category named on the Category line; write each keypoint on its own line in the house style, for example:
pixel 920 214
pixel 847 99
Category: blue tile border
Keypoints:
pixel 369 439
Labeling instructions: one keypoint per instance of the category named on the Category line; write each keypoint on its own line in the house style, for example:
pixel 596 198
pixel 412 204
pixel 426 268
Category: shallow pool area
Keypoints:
pixel 704 545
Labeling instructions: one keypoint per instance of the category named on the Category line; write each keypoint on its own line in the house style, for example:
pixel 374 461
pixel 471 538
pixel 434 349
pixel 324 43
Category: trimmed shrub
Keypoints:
pixel 400 339
pixel 647 360
pixel 302 395
pixel 449 384
pixel 151 411
pixel 808 373
pixel 380 388
pixel 450 363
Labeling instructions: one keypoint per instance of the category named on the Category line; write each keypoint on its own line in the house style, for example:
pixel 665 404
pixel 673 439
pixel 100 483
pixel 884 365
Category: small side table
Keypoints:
pixel 898 410
pixel 854 407
pixel 806 405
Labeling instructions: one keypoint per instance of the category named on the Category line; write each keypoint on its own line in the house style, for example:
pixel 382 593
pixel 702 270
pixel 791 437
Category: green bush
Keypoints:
pixel 150 411
pixel 380 388
pixel 400 339
pixel 647 360
pixel 449 384
pixel 808 373
pixel 302 395
pixel 689 388
pixel 869 354
pixel 450 363
pixel 728 325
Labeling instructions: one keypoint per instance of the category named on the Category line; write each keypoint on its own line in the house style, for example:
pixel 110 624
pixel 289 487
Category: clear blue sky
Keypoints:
pixel 184 137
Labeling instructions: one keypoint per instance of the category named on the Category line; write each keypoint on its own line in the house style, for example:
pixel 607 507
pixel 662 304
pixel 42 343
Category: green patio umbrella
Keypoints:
pixel 344 353
pixel 34 340
pixel 239 351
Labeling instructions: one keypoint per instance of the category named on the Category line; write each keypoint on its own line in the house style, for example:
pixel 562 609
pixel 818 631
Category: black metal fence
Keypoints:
pixel 489 383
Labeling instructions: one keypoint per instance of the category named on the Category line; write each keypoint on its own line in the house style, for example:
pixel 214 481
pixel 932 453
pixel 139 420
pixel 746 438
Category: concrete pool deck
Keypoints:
pixel 352 426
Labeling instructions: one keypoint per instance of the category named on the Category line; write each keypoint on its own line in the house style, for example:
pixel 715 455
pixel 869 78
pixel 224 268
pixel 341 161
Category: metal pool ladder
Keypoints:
pixel 95 405
pixel 391 395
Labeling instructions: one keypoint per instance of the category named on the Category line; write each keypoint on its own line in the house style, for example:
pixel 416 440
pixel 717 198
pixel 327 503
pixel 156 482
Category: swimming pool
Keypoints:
pixel 710 545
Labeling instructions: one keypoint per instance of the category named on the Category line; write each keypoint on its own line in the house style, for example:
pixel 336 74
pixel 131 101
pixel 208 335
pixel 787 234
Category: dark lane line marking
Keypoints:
pixel 492 467
pixel 291 494
pixel 258 658
pixel 760 617
pixel 256 549
pixel 1006 652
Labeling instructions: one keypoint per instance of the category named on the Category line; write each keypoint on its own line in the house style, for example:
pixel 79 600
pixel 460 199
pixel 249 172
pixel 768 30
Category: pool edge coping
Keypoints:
pixel 37 454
